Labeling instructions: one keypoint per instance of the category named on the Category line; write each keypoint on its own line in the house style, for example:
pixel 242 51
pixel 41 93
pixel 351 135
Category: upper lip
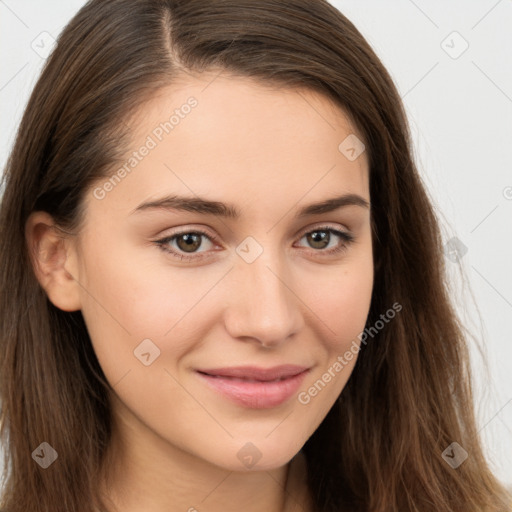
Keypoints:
pixel 255 373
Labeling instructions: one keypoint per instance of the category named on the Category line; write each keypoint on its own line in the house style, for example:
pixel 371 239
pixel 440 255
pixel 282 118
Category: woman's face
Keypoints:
pixel 262 289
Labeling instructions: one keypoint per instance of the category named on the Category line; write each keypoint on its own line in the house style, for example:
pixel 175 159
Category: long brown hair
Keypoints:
pixel 409 397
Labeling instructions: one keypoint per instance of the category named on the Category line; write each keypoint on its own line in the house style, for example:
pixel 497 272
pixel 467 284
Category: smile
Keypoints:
pixel 255 388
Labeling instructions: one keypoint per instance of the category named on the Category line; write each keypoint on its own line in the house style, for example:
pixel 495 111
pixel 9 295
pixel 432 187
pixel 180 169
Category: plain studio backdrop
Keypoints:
pixel 452 64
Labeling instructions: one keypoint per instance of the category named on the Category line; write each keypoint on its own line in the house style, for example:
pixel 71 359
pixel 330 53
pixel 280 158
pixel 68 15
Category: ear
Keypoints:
pixel 54 261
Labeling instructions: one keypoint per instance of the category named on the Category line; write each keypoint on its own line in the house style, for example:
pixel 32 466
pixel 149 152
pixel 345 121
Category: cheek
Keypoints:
pixel 129 296
pixel 340 297
pixel 341 301
pixel 132 289
pixel 343 311
pixel 348 308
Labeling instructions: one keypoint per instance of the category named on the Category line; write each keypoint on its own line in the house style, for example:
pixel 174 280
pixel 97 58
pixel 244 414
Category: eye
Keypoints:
pixel 185 245
pixel 187 241
pixel 321 237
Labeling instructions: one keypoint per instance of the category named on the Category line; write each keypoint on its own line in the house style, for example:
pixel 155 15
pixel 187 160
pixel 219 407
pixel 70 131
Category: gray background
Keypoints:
pixel 459 103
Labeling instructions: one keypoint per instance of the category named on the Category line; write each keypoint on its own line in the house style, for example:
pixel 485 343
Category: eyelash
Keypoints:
pixel 163 243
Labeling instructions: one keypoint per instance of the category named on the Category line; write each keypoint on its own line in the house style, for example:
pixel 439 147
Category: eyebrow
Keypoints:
pixel 208 207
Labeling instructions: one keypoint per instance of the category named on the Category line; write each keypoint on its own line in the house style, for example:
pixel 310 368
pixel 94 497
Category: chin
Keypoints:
pixel 257 454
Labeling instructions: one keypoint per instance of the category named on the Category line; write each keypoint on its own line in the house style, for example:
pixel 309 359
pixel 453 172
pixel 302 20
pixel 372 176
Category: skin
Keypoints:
pixel 269 151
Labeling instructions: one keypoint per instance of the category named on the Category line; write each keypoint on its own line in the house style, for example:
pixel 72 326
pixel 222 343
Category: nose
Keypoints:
pixel 262 305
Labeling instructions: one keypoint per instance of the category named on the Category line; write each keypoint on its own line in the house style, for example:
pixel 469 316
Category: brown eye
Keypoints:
pixel 185 245
pixel 319 239
pixel 188 242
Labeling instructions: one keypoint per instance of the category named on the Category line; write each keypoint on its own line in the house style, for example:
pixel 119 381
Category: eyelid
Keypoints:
pixel 192 229
pixel 319 225
pixel 346 236
pixel 205 231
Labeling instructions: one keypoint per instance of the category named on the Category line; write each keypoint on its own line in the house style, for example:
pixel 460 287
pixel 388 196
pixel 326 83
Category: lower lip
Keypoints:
pixel 256 395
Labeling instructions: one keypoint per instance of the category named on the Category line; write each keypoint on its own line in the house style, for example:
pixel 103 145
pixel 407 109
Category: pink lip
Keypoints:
pixel 257 388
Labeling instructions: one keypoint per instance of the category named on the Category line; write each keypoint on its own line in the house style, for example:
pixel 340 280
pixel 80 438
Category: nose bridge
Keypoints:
pixel 262 306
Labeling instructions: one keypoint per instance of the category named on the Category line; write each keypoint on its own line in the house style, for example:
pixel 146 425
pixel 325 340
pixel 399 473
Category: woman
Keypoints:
pixel 224 287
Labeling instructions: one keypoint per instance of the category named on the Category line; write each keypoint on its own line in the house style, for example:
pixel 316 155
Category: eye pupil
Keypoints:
pixel 323 239
pixel 192 241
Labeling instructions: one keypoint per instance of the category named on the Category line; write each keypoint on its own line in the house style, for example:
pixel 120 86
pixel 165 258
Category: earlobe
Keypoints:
pixel 54 261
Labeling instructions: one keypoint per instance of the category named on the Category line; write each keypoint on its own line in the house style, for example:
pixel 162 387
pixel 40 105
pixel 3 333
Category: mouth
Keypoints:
pixel 255 388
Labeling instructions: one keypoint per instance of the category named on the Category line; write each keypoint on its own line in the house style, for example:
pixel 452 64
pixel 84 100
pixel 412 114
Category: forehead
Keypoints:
pixel 240 140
